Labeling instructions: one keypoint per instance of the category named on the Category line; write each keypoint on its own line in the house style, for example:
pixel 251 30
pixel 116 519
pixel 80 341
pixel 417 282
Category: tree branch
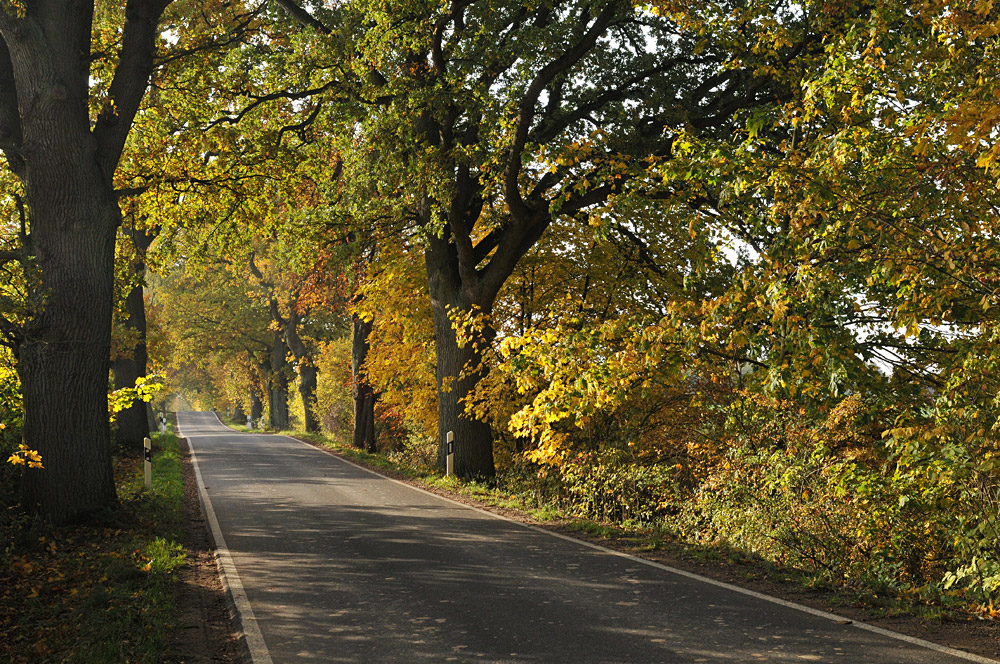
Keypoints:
pixel 10 333
pixel 555 124
pixel 526 111
pixel 302 17
pixel 236 34
pixel 488 244
pixel 300 127
pixel 10 122
pixel 254 270
pixel 273 96
pixel 135 64
pixel 10 255
pixel 461 222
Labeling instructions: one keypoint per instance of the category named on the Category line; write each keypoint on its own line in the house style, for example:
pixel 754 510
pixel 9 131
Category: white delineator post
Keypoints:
pixel 449 463
pixel 163 422
pixel 147 463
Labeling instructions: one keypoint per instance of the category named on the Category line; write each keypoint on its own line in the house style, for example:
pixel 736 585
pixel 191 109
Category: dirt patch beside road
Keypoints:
pixel 206 632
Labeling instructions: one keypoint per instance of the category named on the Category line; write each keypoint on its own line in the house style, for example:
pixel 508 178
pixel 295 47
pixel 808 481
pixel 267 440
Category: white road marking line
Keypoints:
pixel 254 640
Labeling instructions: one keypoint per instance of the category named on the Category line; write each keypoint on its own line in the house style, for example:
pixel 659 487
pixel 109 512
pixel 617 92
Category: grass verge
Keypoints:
pixel 100 593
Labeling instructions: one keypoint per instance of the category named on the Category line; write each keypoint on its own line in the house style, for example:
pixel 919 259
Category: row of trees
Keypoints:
pixel 732 263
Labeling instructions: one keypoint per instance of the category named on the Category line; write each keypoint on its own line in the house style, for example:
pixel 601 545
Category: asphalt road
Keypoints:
pixel 332 563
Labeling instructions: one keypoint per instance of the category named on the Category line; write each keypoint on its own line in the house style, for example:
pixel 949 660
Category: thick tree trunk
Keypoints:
pixel 278 385
pixel 63 359
pixel 66 160
pixel 459 369
pixel 363 392
pixel 238 414
pixel 132 425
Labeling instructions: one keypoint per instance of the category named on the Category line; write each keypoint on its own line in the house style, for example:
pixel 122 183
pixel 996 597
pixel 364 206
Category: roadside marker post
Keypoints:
pixel 450 458
pixel 249 422
pixel 147 463
pixel 163 422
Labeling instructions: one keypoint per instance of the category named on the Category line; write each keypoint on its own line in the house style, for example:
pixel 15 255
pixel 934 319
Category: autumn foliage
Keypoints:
pixel 726 271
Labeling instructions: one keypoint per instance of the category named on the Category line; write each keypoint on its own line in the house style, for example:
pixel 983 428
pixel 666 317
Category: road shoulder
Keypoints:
pixel 206 631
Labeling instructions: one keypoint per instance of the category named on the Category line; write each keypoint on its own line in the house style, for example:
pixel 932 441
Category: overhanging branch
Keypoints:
pixel 302 17
pixel 139 35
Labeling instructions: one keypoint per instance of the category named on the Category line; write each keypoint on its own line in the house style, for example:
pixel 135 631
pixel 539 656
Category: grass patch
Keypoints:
pixel 102 593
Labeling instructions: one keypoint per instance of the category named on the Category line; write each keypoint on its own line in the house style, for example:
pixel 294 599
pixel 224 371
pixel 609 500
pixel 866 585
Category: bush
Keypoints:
pixel 334 403
pixel 611 488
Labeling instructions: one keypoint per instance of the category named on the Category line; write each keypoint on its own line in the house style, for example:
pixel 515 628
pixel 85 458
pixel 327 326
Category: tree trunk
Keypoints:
pixel 66 159
pixel 473 439
pixel 131 425
pixel 278 385
pixel 63 358
pixel 364 394
pixel 238 414
pixel 307 371
pixel 459 369
pixel 256 406
pixel 308 378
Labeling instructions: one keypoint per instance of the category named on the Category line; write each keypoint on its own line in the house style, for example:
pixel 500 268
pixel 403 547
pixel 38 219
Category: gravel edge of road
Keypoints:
pixel 207 630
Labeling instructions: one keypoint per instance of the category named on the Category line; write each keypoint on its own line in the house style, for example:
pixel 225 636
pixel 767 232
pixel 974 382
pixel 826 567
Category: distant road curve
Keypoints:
pixel 329 562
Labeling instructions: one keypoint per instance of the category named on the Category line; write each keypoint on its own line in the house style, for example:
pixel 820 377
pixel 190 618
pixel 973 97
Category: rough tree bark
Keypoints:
pixel 66 167
pixel 459 370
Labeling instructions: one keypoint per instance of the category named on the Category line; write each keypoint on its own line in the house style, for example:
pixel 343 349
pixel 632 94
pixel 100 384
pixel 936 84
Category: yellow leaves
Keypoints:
pixel 26 457
pixel 551 449
pixel 16 8
pixel 146 388
pixel 988 159
pixel 471 327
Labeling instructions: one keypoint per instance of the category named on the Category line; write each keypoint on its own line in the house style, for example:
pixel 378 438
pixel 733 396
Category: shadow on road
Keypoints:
pixel 344 566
